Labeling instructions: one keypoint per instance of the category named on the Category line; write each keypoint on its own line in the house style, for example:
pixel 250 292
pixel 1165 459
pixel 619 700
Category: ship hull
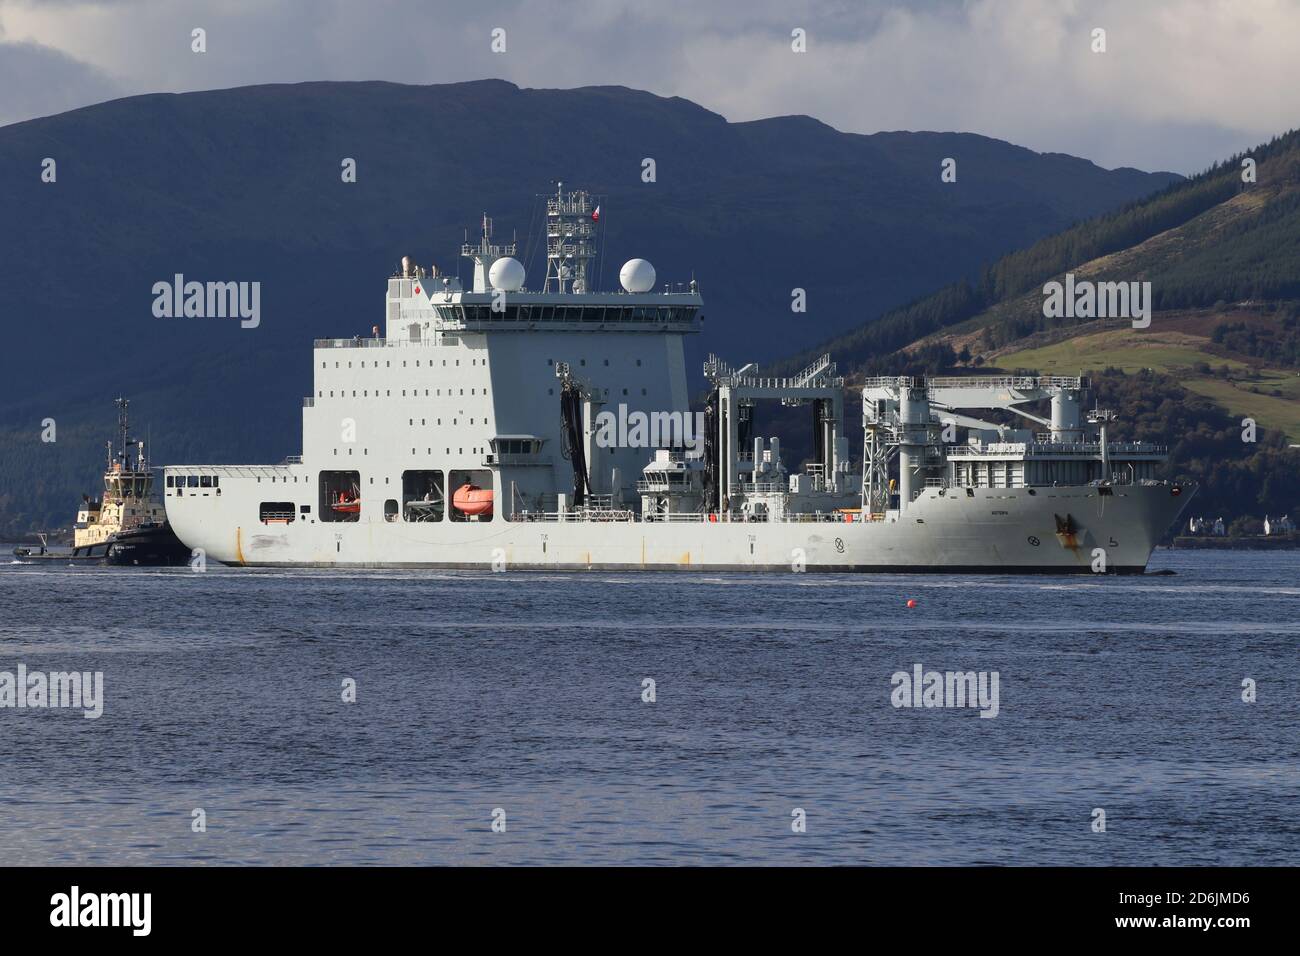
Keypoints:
pixel 85 555
pixel 1002 531
pixel 156 546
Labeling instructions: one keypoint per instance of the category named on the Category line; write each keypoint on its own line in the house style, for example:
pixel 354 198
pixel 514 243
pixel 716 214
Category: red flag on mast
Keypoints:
pixel 595 215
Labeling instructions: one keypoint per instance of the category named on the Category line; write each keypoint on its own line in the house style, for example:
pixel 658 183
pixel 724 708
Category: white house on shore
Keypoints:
pixel 1279 525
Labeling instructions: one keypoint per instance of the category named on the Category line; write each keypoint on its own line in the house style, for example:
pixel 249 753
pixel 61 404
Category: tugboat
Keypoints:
pixel 92 555
pixel 128 524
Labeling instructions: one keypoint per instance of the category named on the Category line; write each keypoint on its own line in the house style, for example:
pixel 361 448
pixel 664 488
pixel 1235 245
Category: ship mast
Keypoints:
pixel 570 240
pixel 484 254
pixel 123 430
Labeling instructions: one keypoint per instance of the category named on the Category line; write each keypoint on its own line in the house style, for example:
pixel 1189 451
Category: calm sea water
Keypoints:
pixel 524 692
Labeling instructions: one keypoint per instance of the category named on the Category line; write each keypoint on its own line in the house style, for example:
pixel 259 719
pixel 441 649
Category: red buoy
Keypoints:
pixel 911 602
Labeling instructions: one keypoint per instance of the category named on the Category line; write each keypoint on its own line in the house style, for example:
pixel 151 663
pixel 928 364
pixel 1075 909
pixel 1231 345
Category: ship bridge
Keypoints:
pixel 426 305
pixel 608 312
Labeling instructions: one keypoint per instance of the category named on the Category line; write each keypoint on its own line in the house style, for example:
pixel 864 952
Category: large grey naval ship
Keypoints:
pixel 509 427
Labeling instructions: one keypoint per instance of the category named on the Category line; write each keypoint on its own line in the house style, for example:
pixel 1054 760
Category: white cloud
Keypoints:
pixel 38 80
pixel 1183 82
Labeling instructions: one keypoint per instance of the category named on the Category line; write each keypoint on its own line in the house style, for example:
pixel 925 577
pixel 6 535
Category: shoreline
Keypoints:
pixel 1224 543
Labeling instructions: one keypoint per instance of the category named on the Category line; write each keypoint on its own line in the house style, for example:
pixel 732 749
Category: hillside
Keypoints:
pixel 1195 347
pixel 244 185
pixel 1208 241
pixel 1226 290
pixel 1222 257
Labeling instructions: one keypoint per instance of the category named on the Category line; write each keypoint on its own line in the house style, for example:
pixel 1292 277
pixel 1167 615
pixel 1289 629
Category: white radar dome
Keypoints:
pixel 507 274
pixel 637 275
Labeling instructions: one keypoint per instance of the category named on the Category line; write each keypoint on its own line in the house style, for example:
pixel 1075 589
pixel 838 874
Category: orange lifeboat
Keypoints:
pixel 348 504
pixel 472 500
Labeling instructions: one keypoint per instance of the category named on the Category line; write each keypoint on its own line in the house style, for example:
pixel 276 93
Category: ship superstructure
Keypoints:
pixel 127 524
pixel 128 501
pixel 508 427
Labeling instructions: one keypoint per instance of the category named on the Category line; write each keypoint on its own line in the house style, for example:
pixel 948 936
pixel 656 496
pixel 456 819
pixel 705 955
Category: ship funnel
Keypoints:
pixel 1066 416
pixel 914 417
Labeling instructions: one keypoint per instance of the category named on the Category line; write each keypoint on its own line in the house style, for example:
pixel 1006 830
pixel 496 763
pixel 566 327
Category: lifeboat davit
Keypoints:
pixel 472 500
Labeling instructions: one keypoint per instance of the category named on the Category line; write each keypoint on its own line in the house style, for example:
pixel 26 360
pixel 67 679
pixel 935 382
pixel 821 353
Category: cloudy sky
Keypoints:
pixel 1181 83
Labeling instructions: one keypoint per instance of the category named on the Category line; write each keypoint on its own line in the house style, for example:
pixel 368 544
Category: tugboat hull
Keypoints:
pixel 88 554
pixel 155 546
pixel 151 546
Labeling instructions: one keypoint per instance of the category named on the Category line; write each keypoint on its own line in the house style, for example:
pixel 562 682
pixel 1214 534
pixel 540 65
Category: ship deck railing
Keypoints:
pixel 683 486
pixel 1074 449
pixel 767 487
pixel 356 342
pixel 1118 479
pixel 597 515
pixel 371 342
pixel 582 515
pixel 976 381
pixel 516 460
